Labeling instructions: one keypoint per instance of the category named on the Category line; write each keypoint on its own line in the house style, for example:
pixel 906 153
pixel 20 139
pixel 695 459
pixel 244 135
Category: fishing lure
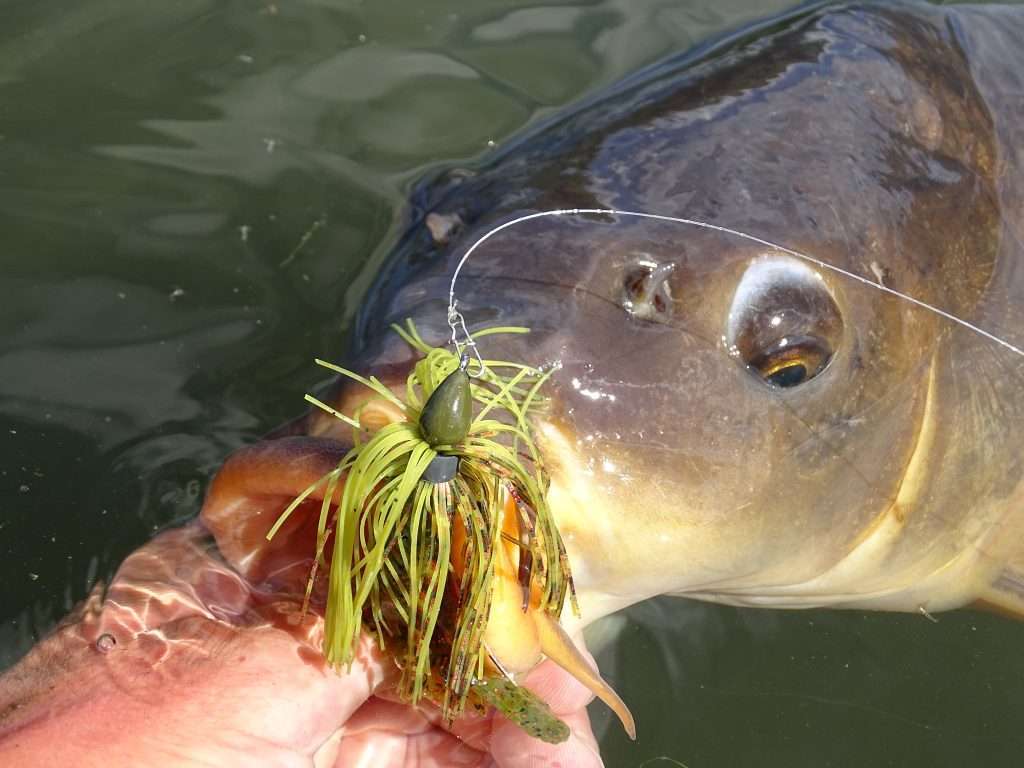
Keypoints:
pixel 427 514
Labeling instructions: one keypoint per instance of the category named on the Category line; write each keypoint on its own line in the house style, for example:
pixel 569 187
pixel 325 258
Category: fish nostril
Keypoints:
pixel 646 293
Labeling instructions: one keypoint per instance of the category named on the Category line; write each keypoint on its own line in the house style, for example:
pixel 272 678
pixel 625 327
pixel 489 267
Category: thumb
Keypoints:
pixel 512 747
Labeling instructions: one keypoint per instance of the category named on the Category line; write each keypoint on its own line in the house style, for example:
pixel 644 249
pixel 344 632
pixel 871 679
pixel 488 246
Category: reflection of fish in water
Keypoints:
pixel 730 422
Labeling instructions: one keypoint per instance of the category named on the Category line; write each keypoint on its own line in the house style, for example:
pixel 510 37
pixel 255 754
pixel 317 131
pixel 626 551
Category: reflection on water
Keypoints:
pixel 812 688
pixel 193 197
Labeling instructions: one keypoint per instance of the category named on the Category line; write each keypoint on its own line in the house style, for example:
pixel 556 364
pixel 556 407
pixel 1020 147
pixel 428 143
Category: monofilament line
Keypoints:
pixel 455 318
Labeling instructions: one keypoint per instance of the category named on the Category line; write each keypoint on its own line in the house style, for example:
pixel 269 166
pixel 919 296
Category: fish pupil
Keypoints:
pixel 788 376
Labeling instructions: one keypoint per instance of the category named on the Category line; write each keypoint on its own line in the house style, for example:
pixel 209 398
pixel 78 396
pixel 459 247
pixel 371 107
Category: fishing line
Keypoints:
pixel 457 322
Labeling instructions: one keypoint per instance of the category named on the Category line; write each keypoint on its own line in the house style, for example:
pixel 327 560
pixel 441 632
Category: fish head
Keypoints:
pixel 753 411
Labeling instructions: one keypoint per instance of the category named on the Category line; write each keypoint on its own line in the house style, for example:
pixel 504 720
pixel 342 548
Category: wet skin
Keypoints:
pixel 885 475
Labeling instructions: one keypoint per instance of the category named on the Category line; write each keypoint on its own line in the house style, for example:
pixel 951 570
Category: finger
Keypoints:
pixel 379 714
pixel 557 688
pixel 560 690
pixel 435 749
pixel 388 733
pixel 511 747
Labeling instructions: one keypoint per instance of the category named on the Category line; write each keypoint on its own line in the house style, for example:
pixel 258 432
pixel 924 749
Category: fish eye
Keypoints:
pixel 784 325
pixel 792 361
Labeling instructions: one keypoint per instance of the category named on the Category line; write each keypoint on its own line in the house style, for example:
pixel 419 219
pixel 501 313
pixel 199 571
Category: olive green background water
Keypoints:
pixel 193 196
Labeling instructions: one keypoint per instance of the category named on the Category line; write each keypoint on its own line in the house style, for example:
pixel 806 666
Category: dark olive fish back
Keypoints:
pixel 938 81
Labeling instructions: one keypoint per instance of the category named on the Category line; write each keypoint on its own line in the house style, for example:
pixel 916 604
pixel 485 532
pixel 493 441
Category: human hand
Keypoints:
pixel 185 662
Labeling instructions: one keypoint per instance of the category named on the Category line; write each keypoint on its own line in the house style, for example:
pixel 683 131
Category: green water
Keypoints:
pixel 193 196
